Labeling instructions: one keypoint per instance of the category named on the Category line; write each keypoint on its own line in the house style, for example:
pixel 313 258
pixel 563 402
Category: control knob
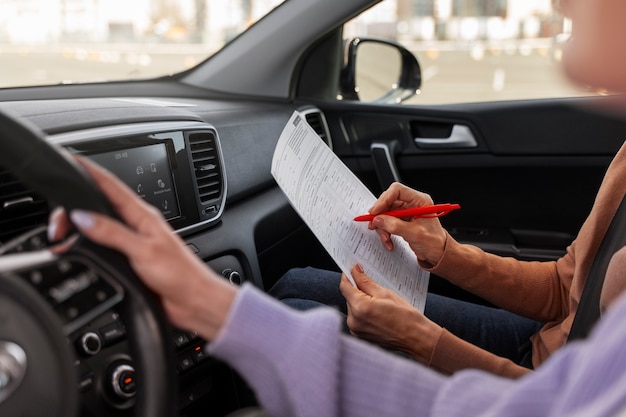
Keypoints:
pixel 123 381
pixel 233 276
pixel 89 344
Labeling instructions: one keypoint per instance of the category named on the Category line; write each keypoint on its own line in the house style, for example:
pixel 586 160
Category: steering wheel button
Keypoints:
pixel 199 354
pixel 111 333
pixel 123 381
pixel 64 266
pixel 36 277
pixel 127 382
pixel 185 363
pixel 89 344
pixel 180 339
pixel 71 313
pixel 86 382
pixel 101 296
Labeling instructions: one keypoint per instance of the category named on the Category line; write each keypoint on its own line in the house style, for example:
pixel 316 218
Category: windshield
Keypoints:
pixel 80 41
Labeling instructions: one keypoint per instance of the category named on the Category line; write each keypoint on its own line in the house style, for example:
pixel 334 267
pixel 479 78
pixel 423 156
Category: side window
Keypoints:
pixel 475 50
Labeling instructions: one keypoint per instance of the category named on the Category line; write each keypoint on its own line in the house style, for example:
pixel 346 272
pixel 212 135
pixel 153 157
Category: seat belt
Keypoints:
pixel 588 311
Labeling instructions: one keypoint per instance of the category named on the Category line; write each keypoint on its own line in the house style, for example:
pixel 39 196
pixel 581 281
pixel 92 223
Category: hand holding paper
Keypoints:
pixel 326 194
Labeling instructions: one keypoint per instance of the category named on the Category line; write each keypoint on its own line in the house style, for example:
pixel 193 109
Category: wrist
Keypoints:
pixel 206 308
pixel 421 340
pixel 428 342
pixel 432 258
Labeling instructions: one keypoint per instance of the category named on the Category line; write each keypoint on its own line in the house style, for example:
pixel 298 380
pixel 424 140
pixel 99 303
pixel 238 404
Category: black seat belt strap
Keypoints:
pixel 588 311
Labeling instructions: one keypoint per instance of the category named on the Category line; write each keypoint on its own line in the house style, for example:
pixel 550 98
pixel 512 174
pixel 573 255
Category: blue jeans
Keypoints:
pixel 495 330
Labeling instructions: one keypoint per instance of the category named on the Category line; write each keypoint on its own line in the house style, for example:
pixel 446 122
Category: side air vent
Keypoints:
pixel 21 210
pixel 316 119
pixel 206 164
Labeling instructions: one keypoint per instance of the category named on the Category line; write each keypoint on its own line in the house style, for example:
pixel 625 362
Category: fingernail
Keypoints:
pixel 359 268
pixel 53 224
pixel 52 230
pixel 378 222
pixel 82 219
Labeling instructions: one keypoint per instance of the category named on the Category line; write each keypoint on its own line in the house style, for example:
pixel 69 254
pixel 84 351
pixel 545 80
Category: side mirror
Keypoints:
pixel 379 71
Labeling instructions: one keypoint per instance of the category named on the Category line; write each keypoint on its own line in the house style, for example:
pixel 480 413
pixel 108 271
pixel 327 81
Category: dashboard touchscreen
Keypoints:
pixel 145 169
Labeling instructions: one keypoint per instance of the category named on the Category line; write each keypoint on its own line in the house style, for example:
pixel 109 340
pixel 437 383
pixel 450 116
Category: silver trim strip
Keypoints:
pixel 78 136
pixel 23 260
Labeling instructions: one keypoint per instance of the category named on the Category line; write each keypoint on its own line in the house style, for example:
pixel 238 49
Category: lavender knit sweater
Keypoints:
pixel 300 364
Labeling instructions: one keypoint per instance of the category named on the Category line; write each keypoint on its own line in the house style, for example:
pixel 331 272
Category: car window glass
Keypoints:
pixel 46 42
pixel 475 50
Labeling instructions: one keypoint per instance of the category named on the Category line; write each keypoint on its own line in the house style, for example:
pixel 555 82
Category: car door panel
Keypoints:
pixel 525 184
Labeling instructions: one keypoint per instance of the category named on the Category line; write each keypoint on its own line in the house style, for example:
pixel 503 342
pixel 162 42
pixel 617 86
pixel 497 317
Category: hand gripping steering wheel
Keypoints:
pixel 41 303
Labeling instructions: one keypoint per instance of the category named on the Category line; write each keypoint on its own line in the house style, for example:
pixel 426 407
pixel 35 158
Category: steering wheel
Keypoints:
pixel 45 296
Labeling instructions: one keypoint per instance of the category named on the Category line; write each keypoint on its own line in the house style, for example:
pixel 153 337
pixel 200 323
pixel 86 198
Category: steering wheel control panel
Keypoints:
pixel 77 290
pixel 107 371
pixel 87 302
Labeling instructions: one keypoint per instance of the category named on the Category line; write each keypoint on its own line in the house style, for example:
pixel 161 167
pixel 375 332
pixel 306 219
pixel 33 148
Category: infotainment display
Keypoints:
pixel 145 169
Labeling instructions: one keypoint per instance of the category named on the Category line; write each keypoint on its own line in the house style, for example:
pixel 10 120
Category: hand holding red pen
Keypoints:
pixel 425 236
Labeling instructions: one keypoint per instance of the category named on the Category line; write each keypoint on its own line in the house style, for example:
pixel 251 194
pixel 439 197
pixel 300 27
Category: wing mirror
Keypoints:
pixel 379 71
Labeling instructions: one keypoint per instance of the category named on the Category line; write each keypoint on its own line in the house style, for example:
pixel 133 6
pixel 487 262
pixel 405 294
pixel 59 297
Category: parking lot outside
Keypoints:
pixel 449 75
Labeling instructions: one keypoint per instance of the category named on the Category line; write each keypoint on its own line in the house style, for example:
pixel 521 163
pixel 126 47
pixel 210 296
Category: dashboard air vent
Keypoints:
pixel 316 120
pixel 206 163
pixel 21 210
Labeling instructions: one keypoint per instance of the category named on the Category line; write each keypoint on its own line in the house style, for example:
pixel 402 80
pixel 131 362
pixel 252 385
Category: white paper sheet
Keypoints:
pixel 327 195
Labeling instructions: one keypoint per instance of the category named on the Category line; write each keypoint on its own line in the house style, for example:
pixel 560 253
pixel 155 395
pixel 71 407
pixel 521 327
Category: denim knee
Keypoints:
pixel 310 283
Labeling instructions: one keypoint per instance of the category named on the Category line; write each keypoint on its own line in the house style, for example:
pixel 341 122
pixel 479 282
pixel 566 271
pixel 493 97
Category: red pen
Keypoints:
pixel 423 212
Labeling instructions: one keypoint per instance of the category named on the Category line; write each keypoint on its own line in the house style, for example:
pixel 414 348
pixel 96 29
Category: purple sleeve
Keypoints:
pixel 300 364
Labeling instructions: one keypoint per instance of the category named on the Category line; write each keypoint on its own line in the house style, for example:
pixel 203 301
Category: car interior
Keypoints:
pixel 198 145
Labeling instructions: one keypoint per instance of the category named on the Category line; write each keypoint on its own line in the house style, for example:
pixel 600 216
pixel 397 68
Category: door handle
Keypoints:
pixel 384 158
pixel 460 137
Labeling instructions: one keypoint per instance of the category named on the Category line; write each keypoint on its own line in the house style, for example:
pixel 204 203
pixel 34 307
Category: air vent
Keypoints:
pixel 206 163
pixel 21 210
pixel 316 120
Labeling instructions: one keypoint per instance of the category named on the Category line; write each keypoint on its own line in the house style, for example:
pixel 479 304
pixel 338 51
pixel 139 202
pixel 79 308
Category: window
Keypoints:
pixel 475 50
pixel 481 8
pixel 77 41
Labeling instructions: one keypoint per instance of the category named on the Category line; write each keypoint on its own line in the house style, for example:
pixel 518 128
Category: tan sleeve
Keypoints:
pixel 538 290
pixel 453 354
